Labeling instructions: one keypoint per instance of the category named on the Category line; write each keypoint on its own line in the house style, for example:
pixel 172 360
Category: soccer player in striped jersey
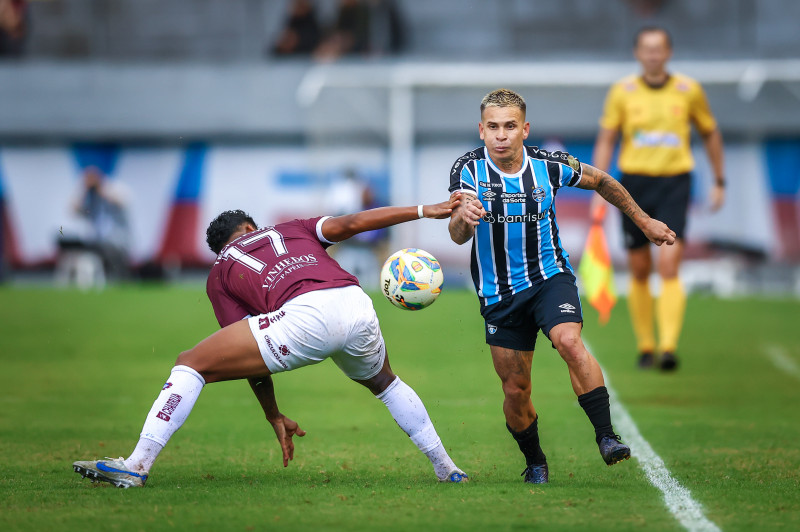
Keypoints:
pixel 521 271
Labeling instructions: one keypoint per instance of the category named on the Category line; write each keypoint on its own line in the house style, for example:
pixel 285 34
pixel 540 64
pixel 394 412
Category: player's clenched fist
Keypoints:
pixel 471 210
pixel 658 233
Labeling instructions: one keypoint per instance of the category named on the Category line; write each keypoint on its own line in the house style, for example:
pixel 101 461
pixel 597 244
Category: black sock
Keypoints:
pixel 528 441
pixel 596 406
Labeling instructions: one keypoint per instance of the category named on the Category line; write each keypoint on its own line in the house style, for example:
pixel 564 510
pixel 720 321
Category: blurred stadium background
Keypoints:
pixel 185 104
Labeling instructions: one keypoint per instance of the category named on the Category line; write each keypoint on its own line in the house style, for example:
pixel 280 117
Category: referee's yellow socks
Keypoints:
pixel 640 307
pixel 670 310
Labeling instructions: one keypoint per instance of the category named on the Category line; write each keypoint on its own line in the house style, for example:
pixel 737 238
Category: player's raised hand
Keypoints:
pixel 442 210
pixel 657 232
pixel 285 428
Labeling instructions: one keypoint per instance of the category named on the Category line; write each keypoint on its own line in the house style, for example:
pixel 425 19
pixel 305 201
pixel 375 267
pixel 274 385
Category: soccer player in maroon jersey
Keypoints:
pixel 284 303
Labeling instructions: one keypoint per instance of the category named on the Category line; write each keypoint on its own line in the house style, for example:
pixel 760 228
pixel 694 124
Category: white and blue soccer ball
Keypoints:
pixel 411 279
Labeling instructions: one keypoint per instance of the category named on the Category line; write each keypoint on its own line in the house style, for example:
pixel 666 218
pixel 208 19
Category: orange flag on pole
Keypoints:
pixel 596 270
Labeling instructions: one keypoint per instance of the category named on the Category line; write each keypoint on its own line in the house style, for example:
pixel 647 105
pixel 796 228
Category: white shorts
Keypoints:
pixel 337 323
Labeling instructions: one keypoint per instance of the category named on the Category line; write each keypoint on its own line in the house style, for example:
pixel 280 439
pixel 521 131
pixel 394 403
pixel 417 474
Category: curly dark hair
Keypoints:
pixel 220 230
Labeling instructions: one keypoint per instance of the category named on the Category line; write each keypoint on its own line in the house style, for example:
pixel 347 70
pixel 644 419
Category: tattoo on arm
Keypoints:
pixel 460 230
pixel 614 193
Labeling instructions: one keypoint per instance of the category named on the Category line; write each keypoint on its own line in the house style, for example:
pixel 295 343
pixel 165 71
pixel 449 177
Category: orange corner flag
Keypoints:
pixel 597 272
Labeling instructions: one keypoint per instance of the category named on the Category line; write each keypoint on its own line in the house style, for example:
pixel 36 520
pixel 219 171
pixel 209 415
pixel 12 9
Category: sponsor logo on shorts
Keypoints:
pixel 491 328
pixel 567 308
pixel 276 353
pixel 170 406
pixel 538 194
pixel 264 322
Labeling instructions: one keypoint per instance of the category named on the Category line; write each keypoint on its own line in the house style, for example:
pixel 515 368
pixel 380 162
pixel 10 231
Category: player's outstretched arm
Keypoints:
pixel 466 216
pixel 341 228
pixel 284 427
pixel 614 193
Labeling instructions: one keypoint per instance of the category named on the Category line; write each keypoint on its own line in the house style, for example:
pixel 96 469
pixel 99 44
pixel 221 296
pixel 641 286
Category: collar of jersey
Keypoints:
pixel 525 163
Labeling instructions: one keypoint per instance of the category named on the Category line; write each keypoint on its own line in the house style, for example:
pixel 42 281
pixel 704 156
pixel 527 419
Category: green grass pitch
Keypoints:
pixel 80 371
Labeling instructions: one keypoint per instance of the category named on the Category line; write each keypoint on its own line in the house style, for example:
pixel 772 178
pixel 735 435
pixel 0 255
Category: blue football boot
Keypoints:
pixel 536 474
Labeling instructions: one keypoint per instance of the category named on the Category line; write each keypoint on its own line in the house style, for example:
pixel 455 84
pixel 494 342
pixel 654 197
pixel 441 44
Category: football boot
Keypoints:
pixel 110 470
pixel 536 474
pixel 613 450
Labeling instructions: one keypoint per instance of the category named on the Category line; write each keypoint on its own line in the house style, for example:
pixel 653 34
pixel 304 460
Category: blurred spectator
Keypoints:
pixel 646 8
pixel 365 27
pixel 301 35
pixel 13 27
pixel 350 33
pixel 349 193
pixel 96 247
pixel 387 29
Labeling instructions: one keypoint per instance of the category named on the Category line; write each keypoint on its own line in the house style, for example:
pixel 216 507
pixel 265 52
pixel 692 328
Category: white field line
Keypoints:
pixel 678 499
pixel 781 359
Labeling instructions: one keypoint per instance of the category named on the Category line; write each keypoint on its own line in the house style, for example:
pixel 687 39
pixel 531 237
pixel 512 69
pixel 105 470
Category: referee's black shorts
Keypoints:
pixel 663 198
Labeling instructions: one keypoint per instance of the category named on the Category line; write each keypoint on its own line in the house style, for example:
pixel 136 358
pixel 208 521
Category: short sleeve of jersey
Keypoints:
pixel 226 309
pixel 613 109
pixel 563 170
pixel 571 171
pixel 461 175
pixel 314 226
pixel 700 111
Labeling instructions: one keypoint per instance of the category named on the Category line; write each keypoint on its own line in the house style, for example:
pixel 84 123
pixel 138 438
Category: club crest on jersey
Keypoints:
pixel 538 194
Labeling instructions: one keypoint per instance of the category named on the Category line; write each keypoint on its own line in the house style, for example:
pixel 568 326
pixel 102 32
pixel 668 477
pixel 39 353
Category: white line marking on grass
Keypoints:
pixel 781 359
pixel 678 499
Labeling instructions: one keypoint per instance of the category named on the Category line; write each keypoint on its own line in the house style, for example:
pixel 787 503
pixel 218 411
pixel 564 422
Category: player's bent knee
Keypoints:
pixel 568 344
pixel 190 359
pixel 517 392
pixel 379 382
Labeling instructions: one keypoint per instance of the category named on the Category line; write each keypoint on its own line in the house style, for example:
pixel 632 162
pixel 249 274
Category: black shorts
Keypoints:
pixel 514 321
pixel 664 198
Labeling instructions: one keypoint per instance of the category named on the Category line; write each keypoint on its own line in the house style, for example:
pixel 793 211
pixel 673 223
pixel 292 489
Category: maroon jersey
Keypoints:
pixel 259 271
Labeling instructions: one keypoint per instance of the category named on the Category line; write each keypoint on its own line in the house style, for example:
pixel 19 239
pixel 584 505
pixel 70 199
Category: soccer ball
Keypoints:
pixel 411 279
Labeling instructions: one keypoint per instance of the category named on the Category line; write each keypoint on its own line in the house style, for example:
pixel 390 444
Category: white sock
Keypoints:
pixel 408 411
pixel 168 413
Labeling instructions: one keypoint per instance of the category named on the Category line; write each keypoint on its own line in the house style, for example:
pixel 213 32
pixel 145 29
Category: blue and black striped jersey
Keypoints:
pixel 516 244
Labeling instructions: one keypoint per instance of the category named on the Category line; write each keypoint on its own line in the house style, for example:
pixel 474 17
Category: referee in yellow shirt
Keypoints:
pixel 654 112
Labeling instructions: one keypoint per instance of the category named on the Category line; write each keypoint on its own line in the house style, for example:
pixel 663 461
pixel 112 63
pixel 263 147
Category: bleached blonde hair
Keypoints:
pixel 503 98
